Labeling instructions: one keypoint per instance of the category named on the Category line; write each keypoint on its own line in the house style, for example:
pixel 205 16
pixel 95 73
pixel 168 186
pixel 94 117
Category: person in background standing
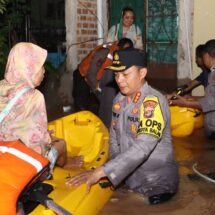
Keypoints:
pixel 103 88
pixel 109 88
pixel 126 28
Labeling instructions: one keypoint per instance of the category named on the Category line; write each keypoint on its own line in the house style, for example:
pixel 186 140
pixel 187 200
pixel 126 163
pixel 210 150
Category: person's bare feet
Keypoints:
pixel 75 161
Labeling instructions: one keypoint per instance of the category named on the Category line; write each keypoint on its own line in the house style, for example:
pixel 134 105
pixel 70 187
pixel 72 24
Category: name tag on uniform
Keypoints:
pixel 151 118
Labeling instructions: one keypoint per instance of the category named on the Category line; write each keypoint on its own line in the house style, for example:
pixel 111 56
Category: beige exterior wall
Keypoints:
pixel 185 35
pixel 203 30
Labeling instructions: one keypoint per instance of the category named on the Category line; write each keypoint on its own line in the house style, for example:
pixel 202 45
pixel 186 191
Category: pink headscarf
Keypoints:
pixel 28 119
pixel 24 61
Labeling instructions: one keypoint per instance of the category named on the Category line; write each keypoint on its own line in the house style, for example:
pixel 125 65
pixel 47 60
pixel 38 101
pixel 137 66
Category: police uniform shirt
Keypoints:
pixel 141 153
pixel 208 104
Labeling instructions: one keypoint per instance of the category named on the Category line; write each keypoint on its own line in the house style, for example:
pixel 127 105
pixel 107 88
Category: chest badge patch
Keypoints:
pixel 113 123
pixel 134 128
pixel 135 110
pixel 117 106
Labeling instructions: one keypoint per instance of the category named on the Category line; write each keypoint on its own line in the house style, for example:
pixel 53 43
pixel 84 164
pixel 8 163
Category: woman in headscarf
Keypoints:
pixel 126 28
pixel 26 119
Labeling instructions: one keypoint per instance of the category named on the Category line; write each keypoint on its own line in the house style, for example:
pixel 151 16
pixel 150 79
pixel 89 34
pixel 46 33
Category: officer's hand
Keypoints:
pixel 89 177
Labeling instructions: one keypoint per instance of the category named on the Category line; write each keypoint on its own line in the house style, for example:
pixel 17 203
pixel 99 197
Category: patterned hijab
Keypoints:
pixel 24 62
pixel 27 120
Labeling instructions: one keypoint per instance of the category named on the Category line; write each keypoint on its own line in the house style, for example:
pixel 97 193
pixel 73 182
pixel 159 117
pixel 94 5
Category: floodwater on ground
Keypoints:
pixel 195 196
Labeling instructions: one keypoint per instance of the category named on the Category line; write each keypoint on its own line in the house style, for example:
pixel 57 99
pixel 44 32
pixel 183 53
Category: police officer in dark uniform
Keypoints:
pixel 141 153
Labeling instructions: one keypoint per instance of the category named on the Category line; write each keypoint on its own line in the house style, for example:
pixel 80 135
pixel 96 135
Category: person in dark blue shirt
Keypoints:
pixel 201 79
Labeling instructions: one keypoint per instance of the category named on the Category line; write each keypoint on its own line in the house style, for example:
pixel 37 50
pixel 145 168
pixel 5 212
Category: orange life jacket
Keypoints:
pixel 85 63
pixel 107 62
pixel 18 165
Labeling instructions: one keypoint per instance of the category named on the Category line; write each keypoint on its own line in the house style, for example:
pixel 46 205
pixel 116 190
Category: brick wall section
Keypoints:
pixel 86 27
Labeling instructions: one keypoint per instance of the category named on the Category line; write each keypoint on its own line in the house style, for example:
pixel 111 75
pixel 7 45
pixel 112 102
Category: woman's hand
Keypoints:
pixel 89 177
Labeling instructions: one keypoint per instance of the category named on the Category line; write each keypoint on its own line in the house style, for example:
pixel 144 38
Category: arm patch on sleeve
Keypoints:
pixel 151 118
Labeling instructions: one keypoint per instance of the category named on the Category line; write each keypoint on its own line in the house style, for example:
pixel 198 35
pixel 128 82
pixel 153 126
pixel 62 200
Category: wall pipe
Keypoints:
pixel 187 35
pixel 100 32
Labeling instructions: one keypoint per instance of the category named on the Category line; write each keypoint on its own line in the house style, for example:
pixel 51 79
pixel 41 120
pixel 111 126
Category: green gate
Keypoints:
pixel 158 22
pixel 162 31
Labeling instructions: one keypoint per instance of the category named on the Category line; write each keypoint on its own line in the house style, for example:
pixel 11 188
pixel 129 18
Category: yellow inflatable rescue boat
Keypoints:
pixel 85 135
pixel 185 120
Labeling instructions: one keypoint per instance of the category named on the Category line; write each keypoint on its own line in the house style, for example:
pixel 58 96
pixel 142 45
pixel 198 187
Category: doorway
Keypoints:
pixel 158 20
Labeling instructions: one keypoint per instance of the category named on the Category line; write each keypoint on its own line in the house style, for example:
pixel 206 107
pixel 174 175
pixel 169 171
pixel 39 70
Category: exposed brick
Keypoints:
pixel 83 17
pixel 86 27
pixel 85 11
pixel 92 25
pixel 84 31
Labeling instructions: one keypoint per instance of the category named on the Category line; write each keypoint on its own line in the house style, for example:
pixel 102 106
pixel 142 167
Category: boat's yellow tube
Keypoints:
pixel 184 120
pixel 85 135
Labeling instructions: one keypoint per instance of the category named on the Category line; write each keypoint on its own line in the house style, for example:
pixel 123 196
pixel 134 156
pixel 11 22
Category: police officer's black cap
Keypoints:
pixel 124 59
